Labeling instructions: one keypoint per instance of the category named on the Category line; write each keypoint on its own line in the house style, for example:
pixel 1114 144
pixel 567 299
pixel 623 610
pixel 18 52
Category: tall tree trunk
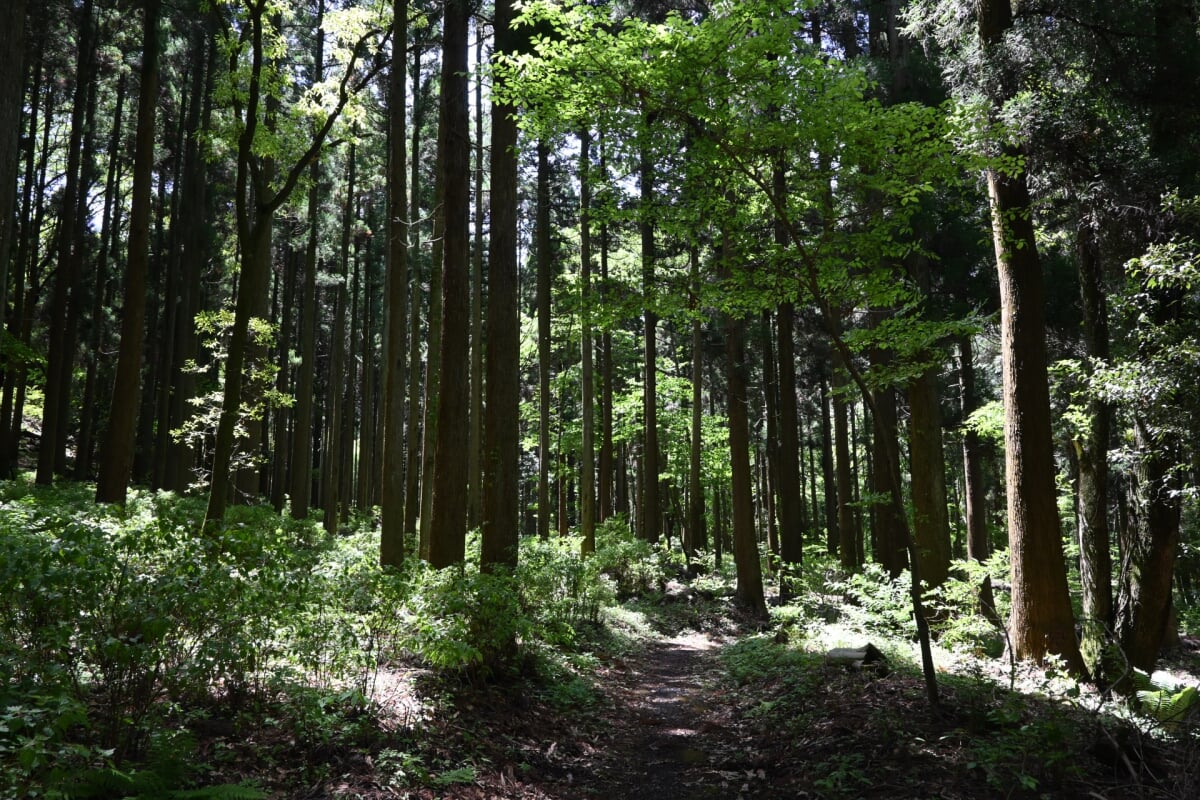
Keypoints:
pixel 413 427
pixel 117 463
pixel 1041 621
pixel 587 468
pixel 433 346
pixel 333 495
pixel 475 439
pixel 302 433
pixel 21 321
pixel 544 343
pixel 745 546
pixel 12 73
pixel 791 487
pixel 501 493
pixel 697 538
pixel 391 532
pixel 60 353
pixel 447 535
pixel 770 391
pixel 648 524
pixel 281 416
pixel 606 465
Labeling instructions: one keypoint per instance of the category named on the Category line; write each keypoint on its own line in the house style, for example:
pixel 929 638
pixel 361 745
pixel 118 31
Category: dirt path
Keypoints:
pixel 673 734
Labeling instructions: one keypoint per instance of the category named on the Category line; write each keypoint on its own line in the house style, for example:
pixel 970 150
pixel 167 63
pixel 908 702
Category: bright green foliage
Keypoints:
pixel 259 392
pixel 107 617
pixel 1164 700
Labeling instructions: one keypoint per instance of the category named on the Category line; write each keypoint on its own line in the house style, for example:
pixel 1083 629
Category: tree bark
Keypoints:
pixel 648 524
pixel 1147 567
pixel 447 535
pixel 745 547
pixel 12 74
pixel 1091 451
pixel 60 352
pixel 931 526
pixel 117 463
pixel 1041 621
pixel 979 545
pixel 697 533
pixel 847 552
pixel 587 470
pixel 501 491
pixel 391 531
pixel 544 343
pixel 475 438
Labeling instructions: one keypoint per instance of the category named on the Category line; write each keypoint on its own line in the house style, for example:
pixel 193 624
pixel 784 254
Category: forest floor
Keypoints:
pixel 678 701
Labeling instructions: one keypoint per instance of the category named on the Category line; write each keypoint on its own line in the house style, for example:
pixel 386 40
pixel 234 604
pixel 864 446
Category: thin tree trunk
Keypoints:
pixel 413 427
pixel 587 469
pixel 544 343
pixel 978 542
pixel 648 524
pixel 832 537
pixel 844 477
pixel 475 438
pixel 697 538
pixel 333 496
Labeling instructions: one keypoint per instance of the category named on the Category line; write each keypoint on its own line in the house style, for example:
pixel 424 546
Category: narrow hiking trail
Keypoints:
pixel 674 730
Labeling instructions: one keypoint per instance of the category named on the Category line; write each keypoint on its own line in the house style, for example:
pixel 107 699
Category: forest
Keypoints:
pixel 687 399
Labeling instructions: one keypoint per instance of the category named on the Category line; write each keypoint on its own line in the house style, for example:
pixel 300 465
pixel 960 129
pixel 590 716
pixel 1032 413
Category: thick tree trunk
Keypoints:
pixel 745 546
pixel 117 463
pixel 1147 567
pixel 447 535
pixel 501 492
pixel 1041 621
pixel 391 532
pixel 12 73
pixel 931 526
